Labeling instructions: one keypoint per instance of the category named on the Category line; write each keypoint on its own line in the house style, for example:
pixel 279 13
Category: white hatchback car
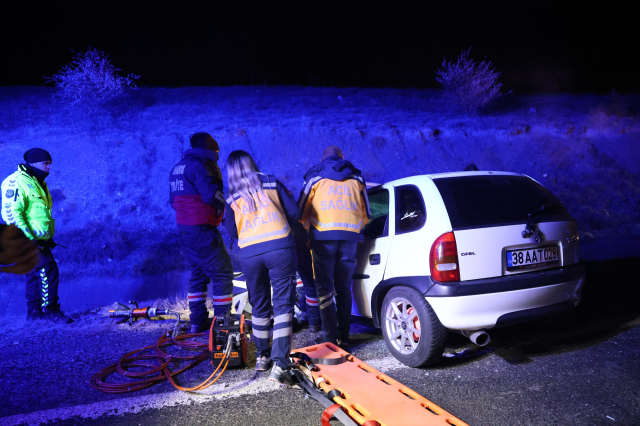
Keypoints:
pixel 464 252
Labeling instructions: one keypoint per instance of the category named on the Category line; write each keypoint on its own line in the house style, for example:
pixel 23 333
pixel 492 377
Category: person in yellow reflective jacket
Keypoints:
pixel 335 208
pixel 27 204
pixel 258 213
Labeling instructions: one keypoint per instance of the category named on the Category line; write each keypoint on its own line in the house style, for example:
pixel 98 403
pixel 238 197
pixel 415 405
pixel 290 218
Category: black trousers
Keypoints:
pixel 209 261
pixel 307 294
pixel 277 269
pixel 42 283
pixel 334 262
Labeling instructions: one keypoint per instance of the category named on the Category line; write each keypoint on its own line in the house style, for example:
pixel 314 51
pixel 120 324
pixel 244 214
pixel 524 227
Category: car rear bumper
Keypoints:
pixel 507 283
pixel 485 311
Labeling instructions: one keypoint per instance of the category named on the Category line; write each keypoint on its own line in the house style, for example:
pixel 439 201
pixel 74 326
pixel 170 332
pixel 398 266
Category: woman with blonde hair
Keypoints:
pixel 258 213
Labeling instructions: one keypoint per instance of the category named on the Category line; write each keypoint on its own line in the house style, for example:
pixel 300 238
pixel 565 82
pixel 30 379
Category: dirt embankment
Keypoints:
pixel 110 172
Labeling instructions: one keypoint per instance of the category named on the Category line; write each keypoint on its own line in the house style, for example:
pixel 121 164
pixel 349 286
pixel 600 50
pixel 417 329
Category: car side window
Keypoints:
pixel 378 224
pixel 411 213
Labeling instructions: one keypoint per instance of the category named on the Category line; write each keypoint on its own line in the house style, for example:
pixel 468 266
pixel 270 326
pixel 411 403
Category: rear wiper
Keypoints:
pixel 540 210
pixel 529 229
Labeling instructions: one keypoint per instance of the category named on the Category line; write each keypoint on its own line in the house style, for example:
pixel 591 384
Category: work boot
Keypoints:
pixel 202 327
pixel 315 328
pixel 299 326
pixel 263 363
pixel 35 314
pixel 54 314
pixel 280 375
pixel 344 338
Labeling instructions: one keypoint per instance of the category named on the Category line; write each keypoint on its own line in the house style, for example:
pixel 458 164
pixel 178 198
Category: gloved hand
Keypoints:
pixel 16 248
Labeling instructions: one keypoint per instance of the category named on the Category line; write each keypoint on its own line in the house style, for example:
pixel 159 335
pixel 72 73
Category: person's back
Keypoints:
pixel 196 196
pixel 258 214
pixel 196 188
pixel 335 208
pixel 333 200
pixel 262 227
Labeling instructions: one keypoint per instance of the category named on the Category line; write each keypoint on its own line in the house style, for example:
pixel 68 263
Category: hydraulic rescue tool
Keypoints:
pixel 226 347
pixel 228 333
pixel 134 313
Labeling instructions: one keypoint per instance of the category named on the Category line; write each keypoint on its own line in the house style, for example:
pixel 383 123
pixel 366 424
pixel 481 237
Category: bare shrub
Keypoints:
pixel 469 85
pixel 89 81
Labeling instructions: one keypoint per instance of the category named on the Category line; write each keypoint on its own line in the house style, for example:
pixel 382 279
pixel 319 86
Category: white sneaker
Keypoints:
pixel 263 363
pixel 279 375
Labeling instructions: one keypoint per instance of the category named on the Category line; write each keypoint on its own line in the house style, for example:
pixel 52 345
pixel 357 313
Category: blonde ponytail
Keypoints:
pixel 242 173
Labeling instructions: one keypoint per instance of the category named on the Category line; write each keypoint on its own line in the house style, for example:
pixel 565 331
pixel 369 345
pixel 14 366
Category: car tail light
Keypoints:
pixel 443 258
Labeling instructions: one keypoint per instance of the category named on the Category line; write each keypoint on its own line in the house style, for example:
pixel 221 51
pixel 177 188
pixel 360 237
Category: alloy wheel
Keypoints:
pixel 403 325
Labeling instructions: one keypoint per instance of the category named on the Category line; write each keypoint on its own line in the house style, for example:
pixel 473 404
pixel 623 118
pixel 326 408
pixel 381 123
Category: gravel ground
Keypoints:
pixel 579 368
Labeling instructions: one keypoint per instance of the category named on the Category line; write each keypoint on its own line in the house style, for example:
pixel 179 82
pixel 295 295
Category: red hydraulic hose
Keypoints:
pixel 155 365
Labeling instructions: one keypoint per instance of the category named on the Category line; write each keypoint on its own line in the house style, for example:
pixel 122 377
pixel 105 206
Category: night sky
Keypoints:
pixel 577 47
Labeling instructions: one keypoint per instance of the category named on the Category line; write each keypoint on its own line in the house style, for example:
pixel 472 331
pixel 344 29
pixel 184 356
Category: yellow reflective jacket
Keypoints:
pixel 333 201
pixel 267 227
pixel 27 204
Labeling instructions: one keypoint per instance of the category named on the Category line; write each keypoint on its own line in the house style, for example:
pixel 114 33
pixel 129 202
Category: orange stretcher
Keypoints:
pixel 364 393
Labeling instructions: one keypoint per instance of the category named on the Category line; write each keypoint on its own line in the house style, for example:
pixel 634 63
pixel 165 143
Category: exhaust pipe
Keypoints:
pixel 478 337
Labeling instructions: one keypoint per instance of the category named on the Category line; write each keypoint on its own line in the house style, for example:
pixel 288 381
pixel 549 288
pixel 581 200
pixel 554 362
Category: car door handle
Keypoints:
pixel 360 276
pixel 374 259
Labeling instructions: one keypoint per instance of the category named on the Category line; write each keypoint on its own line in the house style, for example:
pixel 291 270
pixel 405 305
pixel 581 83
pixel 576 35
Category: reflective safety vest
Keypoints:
pixel 333 201
pixel 337 206
pixel 264 222
pixel 27 205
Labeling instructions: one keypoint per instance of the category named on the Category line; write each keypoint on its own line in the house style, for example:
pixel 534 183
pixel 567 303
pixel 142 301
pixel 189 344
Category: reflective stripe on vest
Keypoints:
pixel 268 223
pixel 349 226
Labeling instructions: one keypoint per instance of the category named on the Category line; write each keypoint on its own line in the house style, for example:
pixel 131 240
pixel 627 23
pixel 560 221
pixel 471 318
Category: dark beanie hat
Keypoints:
pixel 36 155
pixel 203 140
pixel 332 151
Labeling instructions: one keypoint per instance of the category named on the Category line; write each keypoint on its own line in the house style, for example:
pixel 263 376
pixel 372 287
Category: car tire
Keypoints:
pixel 415 339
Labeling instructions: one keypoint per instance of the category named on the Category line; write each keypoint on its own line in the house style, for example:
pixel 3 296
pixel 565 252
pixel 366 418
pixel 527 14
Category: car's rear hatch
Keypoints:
pixel 489 214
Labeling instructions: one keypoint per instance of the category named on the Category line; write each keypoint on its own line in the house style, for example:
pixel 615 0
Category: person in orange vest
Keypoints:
pixel 335 208
pixel 258 213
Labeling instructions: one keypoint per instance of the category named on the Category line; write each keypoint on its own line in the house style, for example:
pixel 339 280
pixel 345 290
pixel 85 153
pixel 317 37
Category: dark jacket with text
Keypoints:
pixel 196 188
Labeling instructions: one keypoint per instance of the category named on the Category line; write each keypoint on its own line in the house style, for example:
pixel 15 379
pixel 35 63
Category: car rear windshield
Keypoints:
pixel 483 201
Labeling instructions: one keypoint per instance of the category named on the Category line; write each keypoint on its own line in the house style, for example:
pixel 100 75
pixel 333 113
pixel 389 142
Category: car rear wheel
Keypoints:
pixel 411 329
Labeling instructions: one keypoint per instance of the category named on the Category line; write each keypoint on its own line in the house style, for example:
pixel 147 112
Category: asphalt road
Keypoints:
pixel 580 368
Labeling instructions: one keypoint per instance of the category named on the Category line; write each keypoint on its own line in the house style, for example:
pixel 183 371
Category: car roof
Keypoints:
pixel 434 176
pixel 459 174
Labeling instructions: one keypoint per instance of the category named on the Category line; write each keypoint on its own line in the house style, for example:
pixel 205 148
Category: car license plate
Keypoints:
pixel 533 258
